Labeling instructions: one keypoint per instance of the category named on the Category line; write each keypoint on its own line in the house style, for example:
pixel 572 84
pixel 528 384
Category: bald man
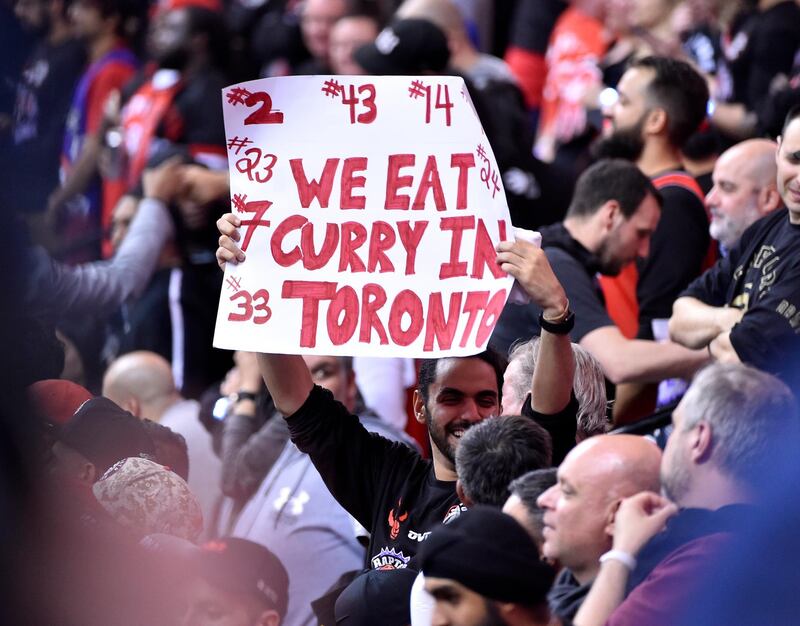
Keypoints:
pixel 745 189
pixel 141 382
pixel 579 509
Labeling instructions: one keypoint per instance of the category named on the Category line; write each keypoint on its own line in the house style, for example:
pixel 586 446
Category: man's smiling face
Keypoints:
pixel 464 392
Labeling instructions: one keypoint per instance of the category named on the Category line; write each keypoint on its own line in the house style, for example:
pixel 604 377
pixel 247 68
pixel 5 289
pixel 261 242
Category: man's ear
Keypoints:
pixel 609 214
pixel 656 122
pixel 268 618
pixel 88 473
pixel 419 407
pixel 701 442
pixel 461 495
pixel 768 200
pixel 352 388
pixel 611 515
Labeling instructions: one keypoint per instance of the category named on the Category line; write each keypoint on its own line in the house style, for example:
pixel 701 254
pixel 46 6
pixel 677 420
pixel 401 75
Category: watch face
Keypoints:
pixel 220 409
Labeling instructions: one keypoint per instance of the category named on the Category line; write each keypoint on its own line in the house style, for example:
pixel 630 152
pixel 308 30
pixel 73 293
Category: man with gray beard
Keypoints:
pixel 744 190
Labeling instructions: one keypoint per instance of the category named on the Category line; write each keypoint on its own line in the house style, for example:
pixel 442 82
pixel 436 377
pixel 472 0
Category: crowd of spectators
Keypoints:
pixel 623 453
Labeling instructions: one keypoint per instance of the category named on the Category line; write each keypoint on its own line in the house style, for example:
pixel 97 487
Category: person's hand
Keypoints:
pixel 529 265
pixel 231 383
pixel 228 236
pixel 163 182
pixel 728 317
pixel 112 109
pixel 249 374
pixel 639 518
pixel 201 185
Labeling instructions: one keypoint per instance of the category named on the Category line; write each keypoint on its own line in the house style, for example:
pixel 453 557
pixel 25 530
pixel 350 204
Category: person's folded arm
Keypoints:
pixel 694 324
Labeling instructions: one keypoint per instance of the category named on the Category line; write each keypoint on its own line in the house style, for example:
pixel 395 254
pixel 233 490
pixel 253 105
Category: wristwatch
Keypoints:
pixel 243 395
pixel 562 327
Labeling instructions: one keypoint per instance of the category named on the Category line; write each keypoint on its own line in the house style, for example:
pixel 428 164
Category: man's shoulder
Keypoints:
pixel 769 229
pixel 663 594
pixel 557 254
pixel 375 425
pixel 569 267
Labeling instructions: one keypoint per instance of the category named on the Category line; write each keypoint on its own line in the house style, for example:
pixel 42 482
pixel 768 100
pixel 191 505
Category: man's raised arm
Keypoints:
pixel 551 386
pixel 286 375
pixel 695 324
pixel 288 380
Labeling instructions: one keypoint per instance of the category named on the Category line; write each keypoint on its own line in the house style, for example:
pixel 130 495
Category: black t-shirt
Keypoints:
pixel 562 426
pixel 678 248
pixel 390 489
pixel 761 274
pixel 763 47
pixel 576 269
pixel 533 23
pixel 43 97
pixel 194 117
pixel 702 45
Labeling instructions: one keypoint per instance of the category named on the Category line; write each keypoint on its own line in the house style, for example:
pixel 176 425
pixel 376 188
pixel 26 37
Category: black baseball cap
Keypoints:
pixel 243 566
pixel 377 596
pixel 407 47
pixel 490 553
pixel 105 433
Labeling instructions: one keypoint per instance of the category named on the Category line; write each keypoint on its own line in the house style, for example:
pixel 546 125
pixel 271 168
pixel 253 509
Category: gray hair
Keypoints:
pixel 589 384
pixel 753 418
pixel 528 488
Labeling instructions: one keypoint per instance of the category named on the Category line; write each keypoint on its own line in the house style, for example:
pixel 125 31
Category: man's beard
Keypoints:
pixel 675 485
pixel 440 435
pixel 623 143
pixel 176 59
pixel 727 231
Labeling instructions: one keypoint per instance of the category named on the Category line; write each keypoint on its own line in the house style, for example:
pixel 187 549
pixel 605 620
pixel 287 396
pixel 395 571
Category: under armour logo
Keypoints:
pixel 386 41
pixel 296 503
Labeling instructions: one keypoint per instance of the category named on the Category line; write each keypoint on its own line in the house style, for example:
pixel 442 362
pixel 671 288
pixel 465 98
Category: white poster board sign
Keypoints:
pixel 370 210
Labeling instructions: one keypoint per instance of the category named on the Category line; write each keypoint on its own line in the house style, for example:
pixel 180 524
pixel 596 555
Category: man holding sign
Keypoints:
pixel 391 490
pixel 372 214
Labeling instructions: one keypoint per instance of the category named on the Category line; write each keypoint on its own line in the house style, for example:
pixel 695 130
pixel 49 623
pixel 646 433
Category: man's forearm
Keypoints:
pixel 607 593
pixel 102 286
pixel 287 379
pixel 636 360
pixel 83 171
pixel 694 323
pixel 722 349
pixel 553 374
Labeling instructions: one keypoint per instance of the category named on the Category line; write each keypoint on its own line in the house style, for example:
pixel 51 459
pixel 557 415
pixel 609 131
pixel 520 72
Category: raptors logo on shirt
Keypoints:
pixel 395 519
pixel 388 558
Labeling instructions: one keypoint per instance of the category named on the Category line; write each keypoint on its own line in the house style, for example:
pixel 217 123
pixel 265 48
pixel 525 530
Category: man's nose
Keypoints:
pixel 644 248
pixel 711 197
pixel 547 499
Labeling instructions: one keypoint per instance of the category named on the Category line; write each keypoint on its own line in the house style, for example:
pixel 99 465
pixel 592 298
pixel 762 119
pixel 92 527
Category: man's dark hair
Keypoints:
pixel 132 15
pixel 611 179
pixel 678 89
pixel 496 451
pixel 212 25
pixel 171 450
pixel 791 116
pixel 427 371
pixel 529 487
